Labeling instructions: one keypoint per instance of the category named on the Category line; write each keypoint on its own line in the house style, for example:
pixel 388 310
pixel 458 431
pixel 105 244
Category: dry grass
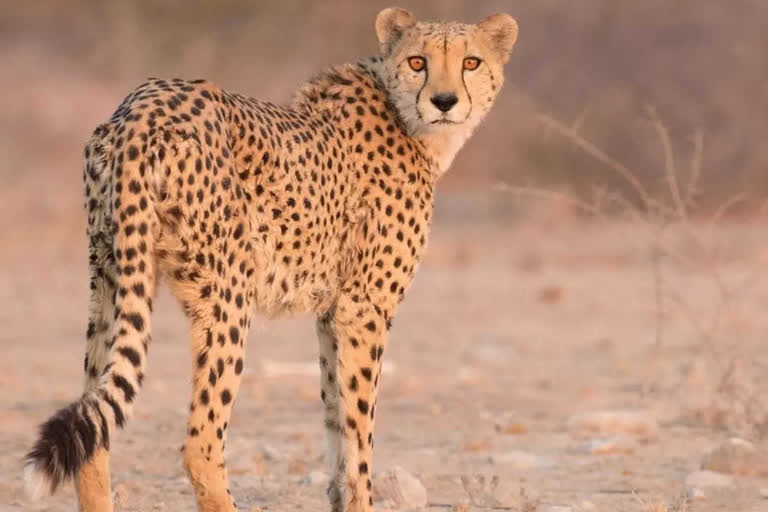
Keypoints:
pixel 680 239
pixel 661 505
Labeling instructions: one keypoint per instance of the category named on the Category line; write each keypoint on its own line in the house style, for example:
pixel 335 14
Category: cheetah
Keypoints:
pixel 242 206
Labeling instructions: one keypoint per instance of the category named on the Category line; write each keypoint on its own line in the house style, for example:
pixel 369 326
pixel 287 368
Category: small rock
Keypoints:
pixel 315 478
pixel 271 453
pixel 557 508
pixel 627 422
pixel 466 374
pixel 519 459
pixel 708 479
pixel 550 294
pixel 476 446
pixel 694 493
pixel 513 429
pixel 123 495
pixel 737 457
pixel 764 493
pixel 386 505
pixel 603 447
pixel 399 486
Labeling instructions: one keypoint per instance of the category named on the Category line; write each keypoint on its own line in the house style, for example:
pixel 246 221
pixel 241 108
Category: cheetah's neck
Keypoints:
pixel 328 91
pixel 441 145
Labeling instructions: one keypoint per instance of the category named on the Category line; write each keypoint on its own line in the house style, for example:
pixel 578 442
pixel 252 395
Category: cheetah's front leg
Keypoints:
pixel 353 336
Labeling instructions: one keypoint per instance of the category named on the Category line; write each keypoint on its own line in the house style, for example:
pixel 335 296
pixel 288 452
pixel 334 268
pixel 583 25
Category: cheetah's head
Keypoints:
pixel 443 77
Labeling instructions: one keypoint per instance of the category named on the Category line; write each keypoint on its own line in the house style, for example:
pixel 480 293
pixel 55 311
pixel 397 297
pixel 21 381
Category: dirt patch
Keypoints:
pixel 492 379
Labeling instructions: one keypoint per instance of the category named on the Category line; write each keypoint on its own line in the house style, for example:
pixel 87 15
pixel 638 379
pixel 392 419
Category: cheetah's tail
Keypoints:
pixel 71 437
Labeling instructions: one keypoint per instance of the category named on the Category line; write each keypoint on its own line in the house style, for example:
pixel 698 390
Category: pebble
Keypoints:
pixel 737 457
pixel 513 429
pixel 401 488
pixel 271 453
pixel 603 446
pixel 519 459
pixel 619 422
pixel 694 493
pixel 315 478
pixel 708 479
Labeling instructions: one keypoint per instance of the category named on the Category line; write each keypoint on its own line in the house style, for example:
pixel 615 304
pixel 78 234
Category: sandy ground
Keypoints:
pixel 507 333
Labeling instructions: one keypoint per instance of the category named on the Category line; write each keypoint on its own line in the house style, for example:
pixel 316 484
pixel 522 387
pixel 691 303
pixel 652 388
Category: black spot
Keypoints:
pixel 134 319
pixel 138 289
pixel 116 410
pixel 239 366
pixel 363 468
pixel 131 355
pixel 362 405
pixel 226 397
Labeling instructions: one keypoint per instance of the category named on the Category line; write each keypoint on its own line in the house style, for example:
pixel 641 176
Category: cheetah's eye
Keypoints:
pixel 471 63
pixel 417 63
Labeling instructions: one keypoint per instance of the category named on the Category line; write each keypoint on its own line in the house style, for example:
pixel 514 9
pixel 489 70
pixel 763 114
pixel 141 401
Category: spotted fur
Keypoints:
pixel 244 206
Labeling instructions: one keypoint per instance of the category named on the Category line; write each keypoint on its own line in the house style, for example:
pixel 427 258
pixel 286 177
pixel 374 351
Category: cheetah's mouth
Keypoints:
pixel 443 121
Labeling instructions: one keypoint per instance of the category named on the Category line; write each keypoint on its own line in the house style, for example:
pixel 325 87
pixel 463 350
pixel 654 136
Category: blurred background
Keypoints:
pixel 595 64
pixel 597 248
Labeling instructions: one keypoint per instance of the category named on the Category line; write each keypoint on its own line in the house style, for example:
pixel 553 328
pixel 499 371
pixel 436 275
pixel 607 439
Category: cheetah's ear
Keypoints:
pixel 391 23
pixel 501 30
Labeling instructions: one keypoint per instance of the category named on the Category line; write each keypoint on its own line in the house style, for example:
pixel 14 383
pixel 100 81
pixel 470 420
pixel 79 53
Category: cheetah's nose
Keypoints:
pixel 444 101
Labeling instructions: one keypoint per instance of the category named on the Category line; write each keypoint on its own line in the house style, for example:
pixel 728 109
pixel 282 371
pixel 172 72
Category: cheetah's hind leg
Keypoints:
pixel 329 394
pixel 219 330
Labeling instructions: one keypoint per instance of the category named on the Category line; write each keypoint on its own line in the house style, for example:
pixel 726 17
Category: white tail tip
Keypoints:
pixel 36 482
